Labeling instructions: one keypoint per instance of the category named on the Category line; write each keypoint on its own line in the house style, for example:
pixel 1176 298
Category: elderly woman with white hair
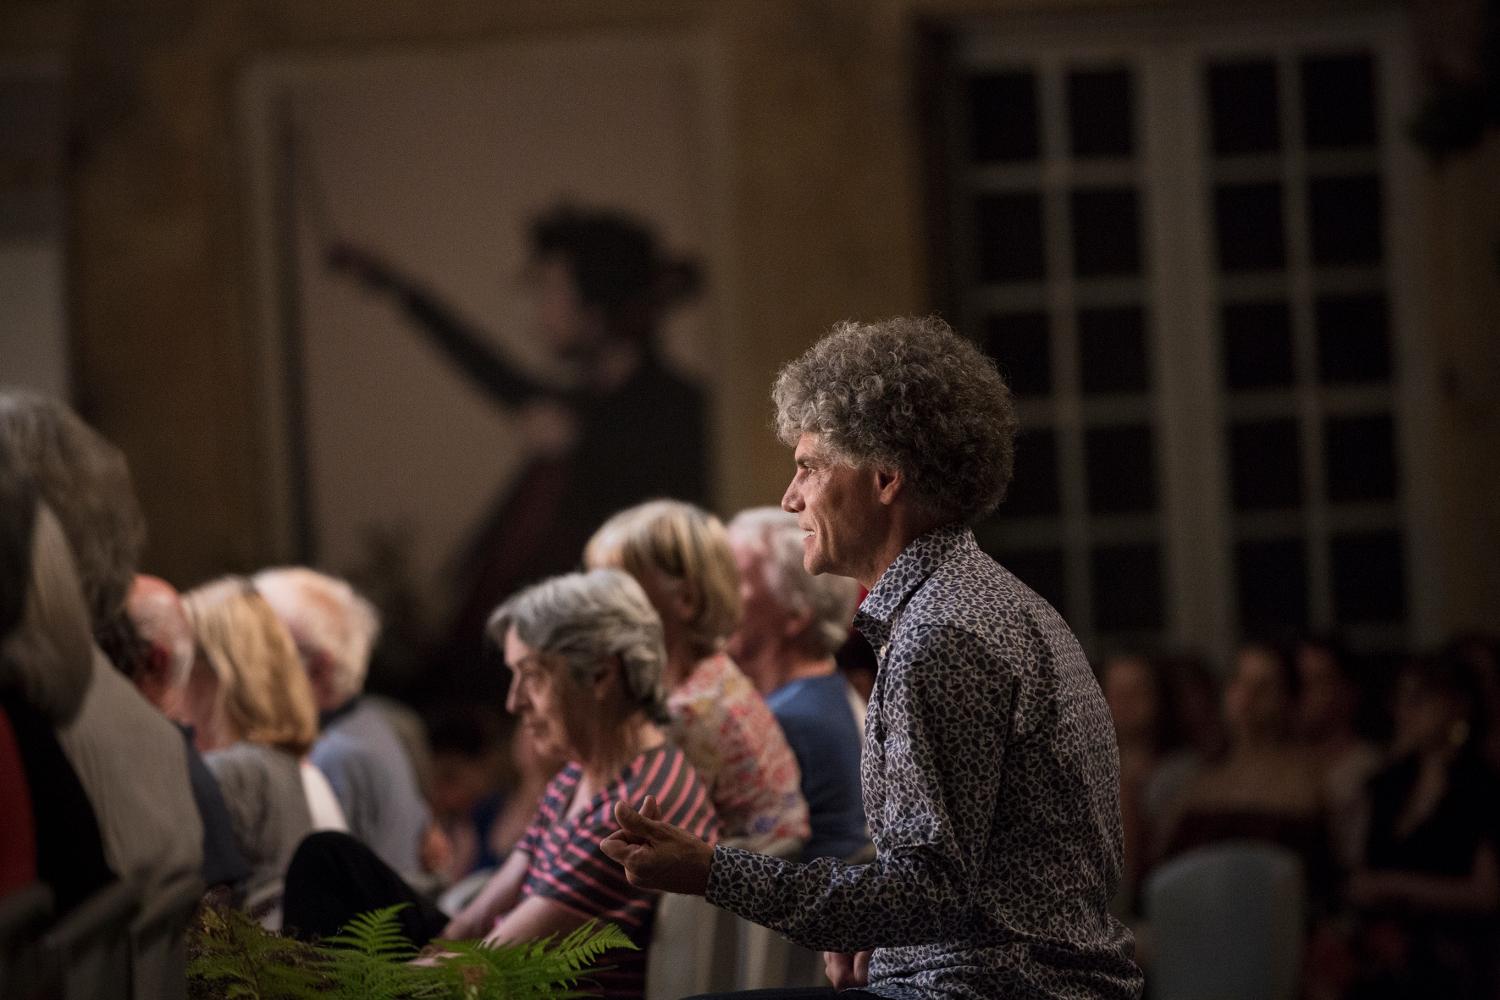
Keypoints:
pixel 680 555
pixel 791 626
pixel 586 657
pixel 335 629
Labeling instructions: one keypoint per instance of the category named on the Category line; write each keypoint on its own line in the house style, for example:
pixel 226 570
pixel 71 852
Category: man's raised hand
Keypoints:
pixel 657 855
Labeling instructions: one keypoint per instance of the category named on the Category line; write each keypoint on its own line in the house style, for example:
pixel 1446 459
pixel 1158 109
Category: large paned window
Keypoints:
pixel 1189 247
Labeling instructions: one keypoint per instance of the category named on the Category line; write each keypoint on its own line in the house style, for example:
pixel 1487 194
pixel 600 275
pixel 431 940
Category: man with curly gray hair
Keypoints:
pixel 991 777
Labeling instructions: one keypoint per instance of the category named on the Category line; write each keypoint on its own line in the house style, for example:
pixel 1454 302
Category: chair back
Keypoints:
pixel 158 939
pixel 693 949
pixel 1226 923
pixel 24 914
pixel 88 950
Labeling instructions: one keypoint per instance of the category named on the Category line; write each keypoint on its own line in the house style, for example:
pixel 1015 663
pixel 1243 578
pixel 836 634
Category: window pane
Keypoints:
pixel 1033 488
pixel 1271 579
pixel 1112 350
pixel 1360 453
pixel 1120 464
pixel 1353 339
pixel 1368 578
pixel 1127 588
pixel 1021 345
pixel 1106 233
pixel 1338 101
pixel 1100 113
pixel 1257 345
pixel 1010 237
pixel 1248 225
pixel 1040 569
pixel 1345 220
pixel 1243 102
pixel 1003 117
pixel 1266 464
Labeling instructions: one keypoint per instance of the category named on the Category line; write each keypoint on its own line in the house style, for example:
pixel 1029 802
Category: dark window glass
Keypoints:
pixel 1266 460
pixel 1368 578
pixel 1353 339
pixel 1100 117
pixel 1003 117
pixel 1120 464
pixel 1010 237
pixel 1360 453
pixel 1345 220
pixel 1021 345
pixel 1243 101
pixel 1127 588
pixel 1257 345
pixel 1248 227
pixel 1271 579
pixel 1042 570
pixel 1112 350
pixel 1338 101
pixel 1106 232
pixel 1033 488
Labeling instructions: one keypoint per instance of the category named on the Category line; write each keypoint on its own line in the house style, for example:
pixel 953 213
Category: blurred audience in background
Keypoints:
pixel 680 555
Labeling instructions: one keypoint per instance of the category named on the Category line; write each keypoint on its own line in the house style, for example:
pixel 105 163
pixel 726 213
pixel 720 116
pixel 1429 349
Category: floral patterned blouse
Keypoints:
pixel 734 743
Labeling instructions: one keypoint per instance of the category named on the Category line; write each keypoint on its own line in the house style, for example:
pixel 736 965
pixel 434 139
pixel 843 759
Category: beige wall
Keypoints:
pixel 825 221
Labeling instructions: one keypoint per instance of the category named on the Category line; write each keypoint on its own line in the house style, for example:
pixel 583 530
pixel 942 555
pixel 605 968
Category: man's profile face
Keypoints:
pixel 837 508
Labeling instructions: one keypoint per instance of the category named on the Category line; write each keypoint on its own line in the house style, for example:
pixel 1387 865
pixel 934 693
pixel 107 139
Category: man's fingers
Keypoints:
pixel 639 824
pixel 650 809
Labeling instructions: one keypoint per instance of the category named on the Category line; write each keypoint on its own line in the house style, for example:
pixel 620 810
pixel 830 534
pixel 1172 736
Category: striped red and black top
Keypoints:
pixel 568 867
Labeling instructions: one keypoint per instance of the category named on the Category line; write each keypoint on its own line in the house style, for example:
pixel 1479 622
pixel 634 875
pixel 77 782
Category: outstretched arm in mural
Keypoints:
pixel 479 361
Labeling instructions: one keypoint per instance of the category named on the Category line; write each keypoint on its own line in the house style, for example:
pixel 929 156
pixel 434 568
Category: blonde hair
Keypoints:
pixel 686 544
pixel 264 695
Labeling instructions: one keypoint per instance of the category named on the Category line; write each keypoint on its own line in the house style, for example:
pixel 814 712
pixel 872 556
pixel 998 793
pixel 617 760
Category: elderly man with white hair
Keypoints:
pixel 791 625
pixel 334 629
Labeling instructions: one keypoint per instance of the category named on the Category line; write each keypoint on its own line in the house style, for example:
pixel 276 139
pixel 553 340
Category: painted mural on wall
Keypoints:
pixel 494 328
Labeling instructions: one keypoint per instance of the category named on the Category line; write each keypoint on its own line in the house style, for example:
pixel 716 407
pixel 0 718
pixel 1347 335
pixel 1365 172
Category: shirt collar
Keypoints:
pixel 326 719
pixel 908 571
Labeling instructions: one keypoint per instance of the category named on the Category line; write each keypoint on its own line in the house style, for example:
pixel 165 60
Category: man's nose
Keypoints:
pixel 791 500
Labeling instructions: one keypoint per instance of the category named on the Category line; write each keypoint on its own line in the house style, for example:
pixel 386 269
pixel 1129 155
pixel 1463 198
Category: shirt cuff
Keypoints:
pixel 721 869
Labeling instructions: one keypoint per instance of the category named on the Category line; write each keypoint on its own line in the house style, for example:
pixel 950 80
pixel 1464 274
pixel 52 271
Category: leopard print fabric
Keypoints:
pixel 991 785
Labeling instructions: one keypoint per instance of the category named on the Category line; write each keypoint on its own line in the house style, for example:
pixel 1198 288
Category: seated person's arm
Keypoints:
pixel 1477 893
pixel 499 894
pixel 533 918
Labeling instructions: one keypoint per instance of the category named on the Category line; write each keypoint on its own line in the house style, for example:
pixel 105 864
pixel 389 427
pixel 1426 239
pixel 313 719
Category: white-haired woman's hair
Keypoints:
pixel 49 654
pixel 587 617
pixel 828 600
pixel 326 615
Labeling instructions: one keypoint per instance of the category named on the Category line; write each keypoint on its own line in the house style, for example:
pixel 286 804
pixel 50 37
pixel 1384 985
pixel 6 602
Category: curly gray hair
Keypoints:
pixel 910 394
pixel 586 617
pixel 773 536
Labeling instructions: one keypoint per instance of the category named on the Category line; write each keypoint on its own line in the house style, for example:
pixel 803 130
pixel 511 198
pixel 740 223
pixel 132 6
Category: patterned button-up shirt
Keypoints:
pixel 991 785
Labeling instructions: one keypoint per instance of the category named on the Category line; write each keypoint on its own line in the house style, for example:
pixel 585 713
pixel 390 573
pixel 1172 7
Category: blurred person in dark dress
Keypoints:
pixel 1429 888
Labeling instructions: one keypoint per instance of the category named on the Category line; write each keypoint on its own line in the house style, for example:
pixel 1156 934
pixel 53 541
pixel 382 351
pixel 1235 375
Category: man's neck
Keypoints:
pixel 905 527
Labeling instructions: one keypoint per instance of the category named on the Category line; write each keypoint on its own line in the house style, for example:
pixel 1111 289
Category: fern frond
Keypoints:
pixel 233 956
pixel 367 961
pixel 530 969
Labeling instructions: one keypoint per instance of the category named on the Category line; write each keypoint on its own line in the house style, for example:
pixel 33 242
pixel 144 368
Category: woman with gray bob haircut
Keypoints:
pixel 585 654
pixel 910 394
pixel 583 618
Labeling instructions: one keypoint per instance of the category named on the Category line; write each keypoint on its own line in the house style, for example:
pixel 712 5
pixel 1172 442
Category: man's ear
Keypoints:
pixel 888 485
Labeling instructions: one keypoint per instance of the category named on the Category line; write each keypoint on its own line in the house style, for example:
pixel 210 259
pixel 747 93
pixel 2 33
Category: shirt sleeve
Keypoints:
pixel 577 874
pixel 941 735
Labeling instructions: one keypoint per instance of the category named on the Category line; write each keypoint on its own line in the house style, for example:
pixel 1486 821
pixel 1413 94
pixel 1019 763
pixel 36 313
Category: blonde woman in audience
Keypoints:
pixel 255 717
pixel 680 554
